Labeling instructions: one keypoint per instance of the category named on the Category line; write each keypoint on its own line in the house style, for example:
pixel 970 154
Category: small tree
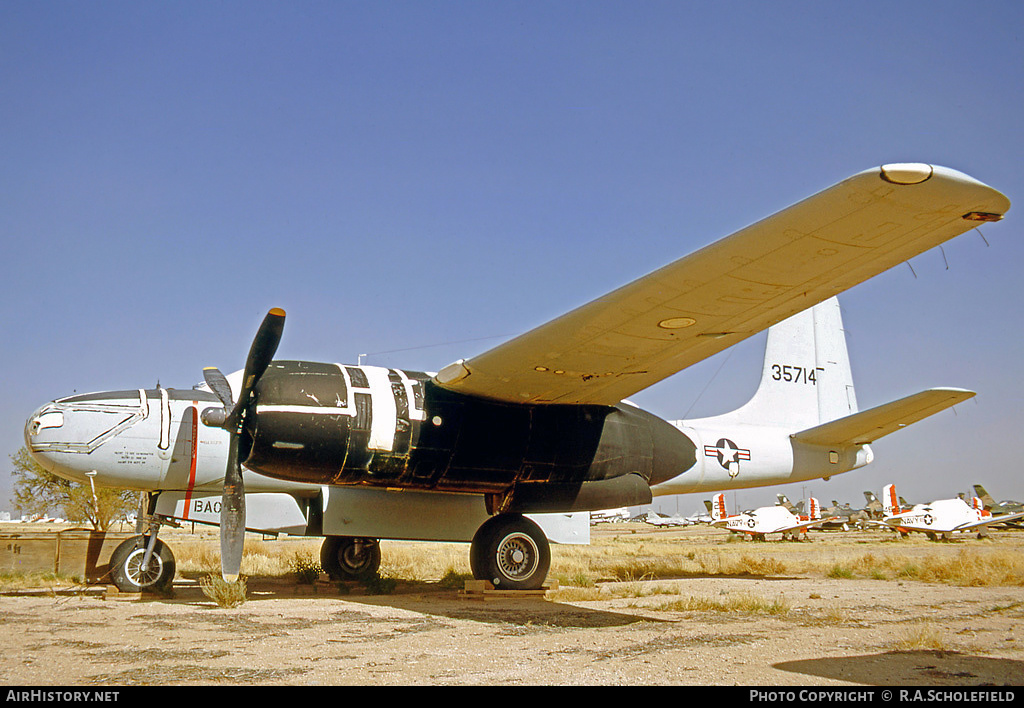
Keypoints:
pixel 37 492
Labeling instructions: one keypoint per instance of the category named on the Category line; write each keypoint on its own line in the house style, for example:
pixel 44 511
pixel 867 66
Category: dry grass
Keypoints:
pixel 627 559
pixel 746 604
pixel 21 581
pixel 632 554
pixel 976 567
pixel 924 636
pixel 273 559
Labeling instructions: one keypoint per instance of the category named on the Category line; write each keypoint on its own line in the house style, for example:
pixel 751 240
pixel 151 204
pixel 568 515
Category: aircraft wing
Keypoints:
pixel 808 524
pixel 867 426
pixel 697 306
pixel 987 522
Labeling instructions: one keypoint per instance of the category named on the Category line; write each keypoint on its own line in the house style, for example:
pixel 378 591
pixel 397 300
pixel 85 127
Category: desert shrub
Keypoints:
pixel 225 594
pixel 380 585
pixel 306 569
pixel 454 580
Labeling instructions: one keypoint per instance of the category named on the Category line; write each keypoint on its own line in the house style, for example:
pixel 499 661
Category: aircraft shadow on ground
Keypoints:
pixel 912 668
pixel 425 598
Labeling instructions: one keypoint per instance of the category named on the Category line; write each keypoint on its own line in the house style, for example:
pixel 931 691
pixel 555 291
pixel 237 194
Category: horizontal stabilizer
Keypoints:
pixel 867 426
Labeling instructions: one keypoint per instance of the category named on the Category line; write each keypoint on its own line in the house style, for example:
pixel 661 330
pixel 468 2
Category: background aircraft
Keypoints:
pixel 604 516
pixel 874 506
pixel 760 522
pixel 943 517
pixel 844 516
pixel 655 519
pixel 540 424
pixel 1007 506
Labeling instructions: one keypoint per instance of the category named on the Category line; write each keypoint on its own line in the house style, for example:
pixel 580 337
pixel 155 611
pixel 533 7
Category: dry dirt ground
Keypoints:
pixel 835 632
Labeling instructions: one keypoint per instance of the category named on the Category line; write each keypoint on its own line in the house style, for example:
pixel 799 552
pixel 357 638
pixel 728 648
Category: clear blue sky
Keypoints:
pixel 404 174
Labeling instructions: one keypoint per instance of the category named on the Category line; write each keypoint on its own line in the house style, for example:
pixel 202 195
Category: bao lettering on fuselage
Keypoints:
pixel 206 506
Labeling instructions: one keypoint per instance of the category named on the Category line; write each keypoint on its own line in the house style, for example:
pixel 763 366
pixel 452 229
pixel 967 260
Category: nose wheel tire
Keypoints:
pixel 511 552
pixel 128 573
pixel 348 558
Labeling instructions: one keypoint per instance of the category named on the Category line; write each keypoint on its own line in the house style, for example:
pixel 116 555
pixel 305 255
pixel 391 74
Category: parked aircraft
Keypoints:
pixel 942 517
pixel 655 519
pixel 537 425
pixel 838 516
pixel 783 500
pixel 605 516
pixel 874 506
pixel 1007 506
pixel 765 520
pixel 845 516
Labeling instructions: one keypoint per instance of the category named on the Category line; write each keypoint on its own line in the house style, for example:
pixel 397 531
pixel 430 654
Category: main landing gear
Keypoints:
pixel 349 558
pixel 509 550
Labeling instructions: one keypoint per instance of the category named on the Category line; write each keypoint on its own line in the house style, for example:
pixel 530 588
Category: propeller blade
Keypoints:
pixel 232 516
pixel 218 383
pixel 232 507
pixel 264 346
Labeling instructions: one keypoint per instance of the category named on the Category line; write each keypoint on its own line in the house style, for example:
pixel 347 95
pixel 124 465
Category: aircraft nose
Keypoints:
pixel 41 431
pixel 44 418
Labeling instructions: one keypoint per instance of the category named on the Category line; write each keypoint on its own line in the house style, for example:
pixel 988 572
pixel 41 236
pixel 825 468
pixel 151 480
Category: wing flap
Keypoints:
pixel 697 306
pixel 867 426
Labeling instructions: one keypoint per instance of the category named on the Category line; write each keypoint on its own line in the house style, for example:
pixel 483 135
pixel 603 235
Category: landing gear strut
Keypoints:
pixel 511 552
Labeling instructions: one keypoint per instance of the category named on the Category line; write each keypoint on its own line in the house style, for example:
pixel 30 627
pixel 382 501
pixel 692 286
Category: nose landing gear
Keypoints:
pixel 141 564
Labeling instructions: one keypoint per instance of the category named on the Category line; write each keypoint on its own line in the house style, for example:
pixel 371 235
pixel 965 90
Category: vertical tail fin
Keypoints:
pixel 890 502
pixel 814 510
pixel 979 506
pixel 718 507
pixel 806 379
pixel 986 499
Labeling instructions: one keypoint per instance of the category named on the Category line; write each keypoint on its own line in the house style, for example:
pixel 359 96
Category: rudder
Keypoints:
pixel 806 379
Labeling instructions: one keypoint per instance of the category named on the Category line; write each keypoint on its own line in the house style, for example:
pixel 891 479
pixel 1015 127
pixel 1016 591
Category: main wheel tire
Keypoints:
pixel 126 566
pixel 350 558
pixel 511 552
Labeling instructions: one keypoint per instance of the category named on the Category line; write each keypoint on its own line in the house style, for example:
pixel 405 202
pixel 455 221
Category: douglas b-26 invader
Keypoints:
pixel 487 449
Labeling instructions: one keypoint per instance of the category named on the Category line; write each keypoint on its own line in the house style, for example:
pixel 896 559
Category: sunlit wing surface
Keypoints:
pixel 989 521
pixel 708 301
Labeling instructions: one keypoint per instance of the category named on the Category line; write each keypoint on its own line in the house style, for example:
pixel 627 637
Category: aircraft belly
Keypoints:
pixel 428 516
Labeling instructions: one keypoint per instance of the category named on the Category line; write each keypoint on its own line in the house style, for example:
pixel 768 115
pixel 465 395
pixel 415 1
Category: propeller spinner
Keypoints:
pixel 233 418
